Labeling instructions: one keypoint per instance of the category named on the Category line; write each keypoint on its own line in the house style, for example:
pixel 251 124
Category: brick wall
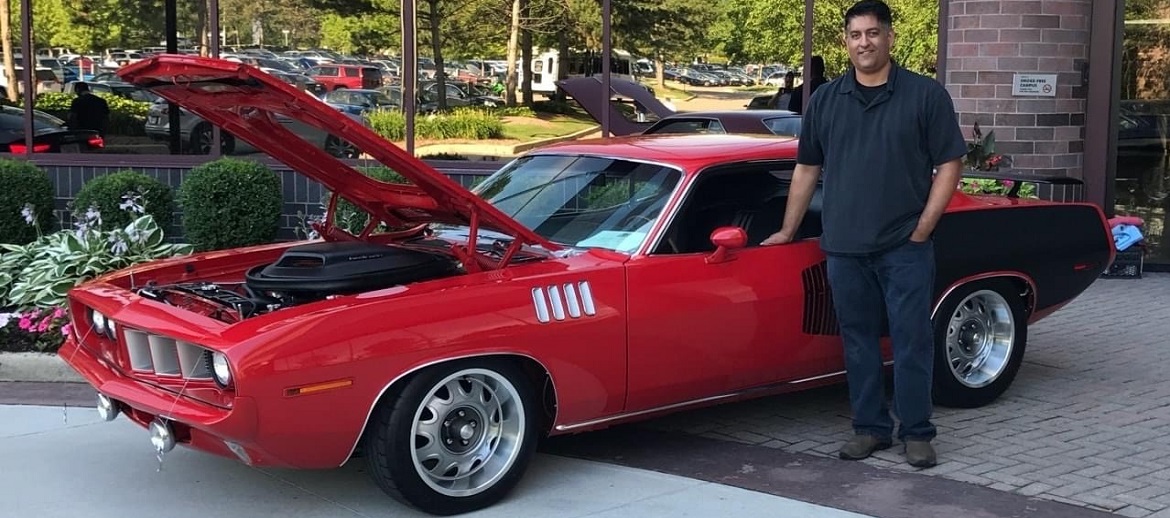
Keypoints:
pixel 988 42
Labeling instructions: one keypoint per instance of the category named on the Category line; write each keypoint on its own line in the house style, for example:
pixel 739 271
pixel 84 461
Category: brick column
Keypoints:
pixel 988 43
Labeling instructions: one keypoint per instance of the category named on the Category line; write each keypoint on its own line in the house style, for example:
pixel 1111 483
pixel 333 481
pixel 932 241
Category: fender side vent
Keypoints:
pixel 819 318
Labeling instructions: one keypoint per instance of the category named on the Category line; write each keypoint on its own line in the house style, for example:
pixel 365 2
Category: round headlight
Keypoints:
pixel 113 329
pixel 99 322
pixel 220 369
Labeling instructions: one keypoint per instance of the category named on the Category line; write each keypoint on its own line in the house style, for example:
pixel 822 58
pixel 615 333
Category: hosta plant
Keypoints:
pixel 38 275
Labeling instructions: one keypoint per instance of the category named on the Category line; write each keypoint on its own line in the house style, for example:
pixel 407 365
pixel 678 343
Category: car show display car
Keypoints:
pixel 580 286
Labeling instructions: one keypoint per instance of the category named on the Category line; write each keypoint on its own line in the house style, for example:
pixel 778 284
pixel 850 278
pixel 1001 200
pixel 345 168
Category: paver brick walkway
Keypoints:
pixel 1086 422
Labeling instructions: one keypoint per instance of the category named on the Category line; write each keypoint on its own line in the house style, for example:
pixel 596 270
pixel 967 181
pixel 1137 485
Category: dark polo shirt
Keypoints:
pixel 877 156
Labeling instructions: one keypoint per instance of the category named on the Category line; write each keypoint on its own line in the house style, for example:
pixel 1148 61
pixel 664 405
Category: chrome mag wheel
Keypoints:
pixel 979 338
pixel 468 432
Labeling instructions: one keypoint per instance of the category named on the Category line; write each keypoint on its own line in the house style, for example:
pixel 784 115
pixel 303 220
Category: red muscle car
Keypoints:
pixel 579 286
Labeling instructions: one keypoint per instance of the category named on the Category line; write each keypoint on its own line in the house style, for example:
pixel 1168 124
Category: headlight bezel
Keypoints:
pixel 98 321
pixel 219 361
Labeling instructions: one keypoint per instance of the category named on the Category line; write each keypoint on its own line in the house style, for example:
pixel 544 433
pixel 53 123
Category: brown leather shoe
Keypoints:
pixel 920 454
pixel 862 446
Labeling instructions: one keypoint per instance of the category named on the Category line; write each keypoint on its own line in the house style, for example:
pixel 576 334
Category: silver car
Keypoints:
pixel 195 133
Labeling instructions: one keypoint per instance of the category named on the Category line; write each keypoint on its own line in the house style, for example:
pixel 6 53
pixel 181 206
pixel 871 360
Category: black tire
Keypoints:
pixel 959 316
pixel 202 136
pixel 339 148
pixel 391 441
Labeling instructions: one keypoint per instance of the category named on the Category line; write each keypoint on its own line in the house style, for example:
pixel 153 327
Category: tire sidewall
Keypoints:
pixel 948 391
pixel 399 435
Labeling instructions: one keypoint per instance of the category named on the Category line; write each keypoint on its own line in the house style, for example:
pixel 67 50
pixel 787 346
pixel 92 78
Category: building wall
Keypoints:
pixel 988 42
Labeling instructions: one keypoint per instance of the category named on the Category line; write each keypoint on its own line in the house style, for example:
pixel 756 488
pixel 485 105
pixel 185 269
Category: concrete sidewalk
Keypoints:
pixel 65 462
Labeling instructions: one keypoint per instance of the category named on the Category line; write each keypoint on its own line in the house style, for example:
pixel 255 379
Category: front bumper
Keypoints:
pixel 197 425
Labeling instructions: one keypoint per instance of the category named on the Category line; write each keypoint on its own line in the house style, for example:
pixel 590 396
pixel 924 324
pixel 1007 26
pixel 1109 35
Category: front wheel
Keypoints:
pixel 981 331
pixel 457 439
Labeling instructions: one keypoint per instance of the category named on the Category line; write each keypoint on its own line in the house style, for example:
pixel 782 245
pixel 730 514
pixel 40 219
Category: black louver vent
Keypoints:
pixel 819 318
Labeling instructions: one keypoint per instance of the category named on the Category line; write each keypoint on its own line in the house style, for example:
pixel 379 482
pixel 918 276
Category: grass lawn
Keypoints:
pixel 545 125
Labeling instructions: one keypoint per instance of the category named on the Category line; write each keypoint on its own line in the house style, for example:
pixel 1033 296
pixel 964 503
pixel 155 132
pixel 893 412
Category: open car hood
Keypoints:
pixel 246 102
pixel 587 92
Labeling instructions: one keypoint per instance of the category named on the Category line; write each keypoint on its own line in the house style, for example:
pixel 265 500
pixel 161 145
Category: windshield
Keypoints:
pixel 583 201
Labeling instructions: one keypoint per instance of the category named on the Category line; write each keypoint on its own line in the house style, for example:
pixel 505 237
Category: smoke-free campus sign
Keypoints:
pixel 1042 85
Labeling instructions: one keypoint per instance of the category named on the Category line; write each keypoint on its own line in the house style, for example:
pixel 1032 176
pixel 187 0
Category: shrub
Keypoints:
pixel 34 278
pixel 26 202
pixel 230 203
pixel 462 123
pixel 996 187
pixel 111 194
pixel 127 117
pixel 40 273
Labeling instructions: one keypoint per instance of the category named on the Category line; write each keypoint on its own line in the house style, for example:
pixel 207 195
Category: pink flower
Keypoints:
pixel 25 323
pixel 66 329
pixel 59 312
pixel 44 326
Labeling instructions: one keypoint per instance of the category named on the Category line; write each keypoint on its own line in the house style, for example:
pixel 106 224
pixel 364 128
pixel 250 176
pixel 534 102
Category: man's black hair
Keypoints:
pixel 81 86
pixel 876 8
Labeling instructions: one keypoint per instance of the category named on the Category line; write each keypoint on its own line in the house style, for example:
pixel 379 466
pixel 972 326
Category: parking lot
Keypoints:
pixel 1085 423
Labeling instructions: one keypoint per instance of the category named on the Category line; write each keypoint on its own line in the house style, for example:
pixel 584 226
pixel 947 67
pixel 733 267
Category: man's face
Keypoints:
pixel 868 43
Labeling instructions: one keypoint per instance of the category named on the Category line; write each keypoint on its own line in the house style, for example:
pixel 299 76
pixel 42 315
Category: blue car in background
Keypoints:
pixel 359 101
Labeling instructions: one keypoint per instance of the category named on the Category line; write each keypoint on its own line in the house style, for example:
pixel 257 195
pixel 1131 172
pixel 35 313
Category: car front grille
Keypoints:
pixel 165 356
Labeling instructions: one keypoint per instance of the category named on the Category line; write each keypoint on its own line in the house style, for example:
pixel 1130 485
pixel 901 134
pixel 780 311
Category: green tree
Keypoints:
pixel 665 29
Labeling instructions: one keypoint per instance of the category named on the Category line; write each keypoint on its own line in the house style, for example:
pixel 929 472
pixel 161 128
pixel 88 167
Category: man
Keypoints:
pixel 88 111
pixel 815 79
pixel 780 99
pixel 877 132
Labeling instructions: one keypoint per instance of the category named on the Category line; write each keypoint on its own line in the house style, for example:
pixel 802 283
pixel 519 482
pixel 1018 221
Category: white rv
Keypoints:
pixel 581 63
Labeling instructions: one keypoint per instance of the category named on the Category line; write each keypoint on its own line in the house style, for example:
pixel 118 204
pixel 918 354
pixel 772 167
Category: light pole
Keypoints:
pixel 285 31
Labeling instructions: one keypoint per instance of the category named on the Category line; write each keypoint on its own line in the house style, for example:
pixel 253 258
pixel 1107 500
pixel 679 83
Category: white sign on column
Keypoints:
pixel 1042 85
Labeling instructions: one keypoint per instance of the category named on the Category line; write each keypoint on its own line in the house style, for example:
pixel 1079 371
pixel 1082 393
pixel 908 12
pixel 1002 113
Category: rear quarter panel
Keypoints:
pixel 1061 247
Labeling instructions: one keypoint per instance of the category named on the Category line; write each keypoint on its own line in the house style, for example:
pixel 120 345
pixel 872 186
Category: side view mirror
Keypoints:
pixel 726 239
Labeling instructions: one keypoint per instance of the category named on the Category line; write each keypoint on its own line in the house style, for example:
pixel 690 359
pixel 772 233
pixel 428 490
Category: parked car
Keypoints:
pixel 196 136
pixel 587 92
pixel 334 76
pixel 582 285
pixel 117 88
pixel 762 122
pixel 359 102
pixel 50 135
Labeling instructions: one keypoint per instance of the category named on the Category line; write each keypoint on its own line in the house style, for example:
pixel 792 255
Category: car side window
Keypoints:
pixel 750 196
pixel 689 126
pixel 785 126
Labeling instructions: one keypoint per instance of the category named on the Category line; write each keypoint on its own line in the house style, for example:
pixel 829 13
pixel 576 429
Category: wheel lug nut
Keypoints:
pixel 449 441
pixel 473 424
pixel 460 413
pixel 447 423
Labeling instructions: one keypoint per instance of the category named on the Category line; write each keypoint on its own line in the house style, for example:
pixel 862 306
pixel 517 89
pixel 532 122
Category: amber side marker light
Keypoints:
pixel 317 387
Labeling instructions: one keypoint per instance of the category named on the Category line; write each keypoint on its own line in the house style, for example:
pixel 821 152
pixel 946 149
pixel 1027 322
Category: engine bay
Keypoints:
pixel 304 274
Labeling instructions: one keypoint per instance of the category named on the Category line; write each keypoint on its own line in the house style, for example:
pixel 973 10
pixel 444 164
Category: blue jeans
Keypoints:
pixel 900 280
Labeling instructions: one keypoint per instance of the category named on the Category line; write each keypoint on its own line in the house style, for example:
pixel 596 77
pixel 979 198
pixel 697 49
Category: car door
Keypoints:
pixel 701 327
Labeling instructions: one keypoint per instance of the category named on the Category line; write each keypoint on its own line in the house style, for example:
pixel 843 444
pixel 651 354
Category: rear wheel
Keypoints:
pixel 339 148
pixel 980 335
pixel 201 141
pixel 457 439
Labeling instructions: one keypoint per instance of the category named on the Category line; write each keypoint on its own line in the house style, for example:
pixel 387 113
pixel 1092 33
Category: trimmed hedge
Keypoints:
pixel 462 123
pixel 23 183
pixel 230 203
pixel 127 117
pixel 106 193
